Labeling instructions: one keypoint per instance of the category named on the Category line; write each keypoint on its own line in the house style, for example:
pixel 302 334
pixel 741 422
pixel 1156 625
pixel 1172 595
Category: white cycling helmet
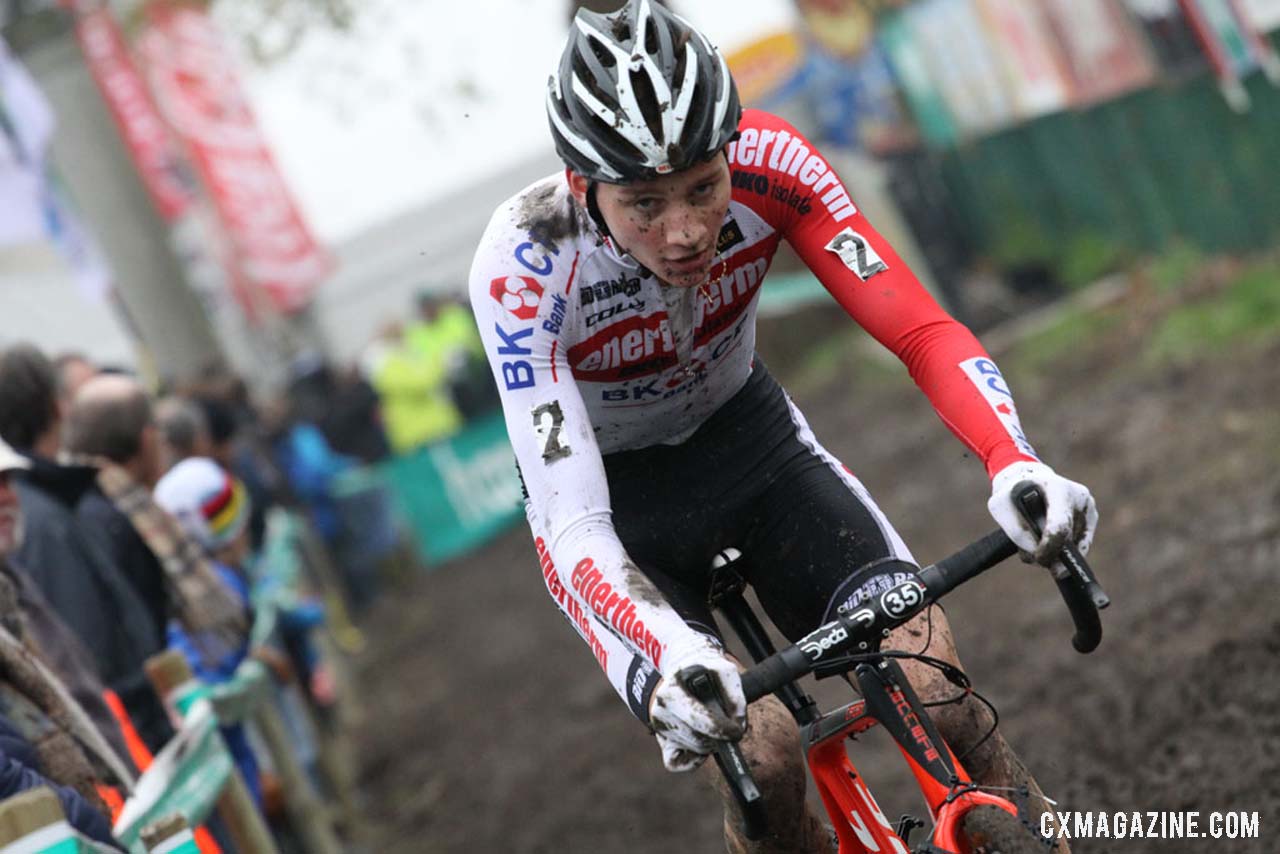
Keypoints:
pixel 639 93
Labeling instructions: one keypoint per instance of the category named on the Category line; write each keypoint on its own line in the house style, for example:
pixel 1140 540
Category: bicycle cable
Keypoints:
pixel 953 674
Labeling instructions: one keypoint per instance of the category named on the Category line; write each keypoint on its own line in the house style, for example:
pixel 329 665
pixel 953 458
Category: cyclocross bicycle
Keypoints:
pixel 966 818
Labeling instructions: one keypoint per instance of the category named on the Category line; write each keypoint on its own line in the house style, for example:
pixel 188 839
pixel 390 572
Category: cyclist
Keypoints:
pixel 617 302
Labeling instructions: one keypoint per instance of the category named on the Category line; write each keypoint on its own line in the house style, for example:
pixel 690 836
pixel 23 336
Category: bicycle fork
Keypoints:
pixel 889 700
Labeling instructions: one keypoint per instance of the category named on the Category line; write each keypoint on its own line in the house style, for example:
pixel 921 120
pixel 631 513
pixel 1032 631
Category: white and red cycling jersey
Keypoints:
pixel 593 355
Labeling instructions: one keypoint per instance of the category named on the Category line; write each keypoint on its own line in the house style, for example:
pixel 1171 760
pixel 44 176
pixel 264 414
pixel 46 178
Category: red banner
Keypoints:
pixel 155 151
pixel 273 252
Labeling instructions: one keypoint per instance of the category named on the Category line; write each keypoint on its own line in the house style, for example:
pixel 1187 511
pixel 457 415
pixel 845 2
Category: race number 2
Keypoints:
pixel 857 254
pixel 548 422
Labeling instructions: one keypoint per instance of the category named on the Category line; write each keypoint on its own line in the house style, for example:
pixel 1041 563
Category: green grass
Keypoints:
pixel 1088 257
pixel 1075 330
pixel 1175 267
pixel 1247 311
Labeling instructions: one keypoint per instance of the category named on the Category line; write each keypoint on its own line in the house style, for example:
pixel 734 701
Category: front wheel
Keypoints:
pixel 992 830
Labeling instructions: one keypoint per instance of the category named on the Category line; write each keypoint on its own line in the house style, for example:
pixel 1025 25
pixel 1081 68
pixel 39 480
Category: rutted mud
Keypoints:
pixel 492 730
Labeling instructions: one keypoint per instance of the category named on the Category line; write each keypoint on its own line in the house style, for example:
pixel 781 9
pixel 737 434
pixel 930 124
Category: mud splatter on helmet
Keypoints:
pixel 639 93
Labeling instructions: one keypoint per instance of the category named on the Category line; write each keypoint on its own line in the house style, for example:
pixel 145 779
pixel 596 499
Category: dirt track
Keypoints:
pixel 494 731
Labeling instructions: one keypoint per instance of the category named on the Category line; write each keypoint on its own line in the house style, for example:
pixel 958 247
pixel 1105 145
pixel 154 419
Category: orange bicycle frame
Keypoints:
pixel 860 825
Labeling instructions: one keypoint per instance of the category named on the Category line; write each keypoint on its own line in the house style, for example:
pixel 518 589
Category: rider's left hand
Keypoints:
pixel 1071 516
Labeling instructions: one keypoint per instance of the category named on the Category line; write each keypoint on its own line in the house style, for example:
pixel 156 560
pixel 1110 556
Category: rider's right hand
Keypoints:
pixel 687 730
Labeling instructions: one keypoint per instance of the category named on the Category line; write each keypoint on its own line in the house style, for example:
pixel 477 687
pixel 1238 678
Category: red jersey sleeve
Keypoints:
pixel 781 176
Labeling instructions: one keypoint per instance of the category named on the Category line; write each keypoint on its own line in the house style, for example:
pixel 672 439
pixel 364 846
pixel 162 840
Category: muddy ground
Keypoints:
pixel 492 730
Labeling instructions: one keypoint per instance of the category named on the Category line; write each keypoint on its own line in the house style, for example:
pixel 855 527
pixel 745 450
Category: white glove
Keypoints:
pixel 686 729
pixel 1070 513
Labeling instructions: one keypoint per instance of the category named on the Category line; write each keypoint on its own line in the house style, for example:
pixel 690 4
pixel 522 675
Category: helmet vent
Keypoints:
pixel 650 41
pixel 606 57
pixel 648 101
pixel 682 59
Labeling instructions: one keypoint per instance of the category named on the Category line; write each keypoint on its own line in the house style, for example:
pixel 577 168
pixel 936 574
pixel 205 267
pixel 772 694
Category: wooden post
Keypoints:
pixel 310 817
pixel 169 835
pixel 248 829
pixel 335 755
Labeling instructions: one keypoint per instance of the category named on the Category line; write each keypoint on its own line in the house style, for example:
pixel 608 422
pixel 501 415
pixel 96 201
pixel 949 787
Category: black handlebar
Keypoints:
pixel 1076 582
pixel 699 682
pixel 860 630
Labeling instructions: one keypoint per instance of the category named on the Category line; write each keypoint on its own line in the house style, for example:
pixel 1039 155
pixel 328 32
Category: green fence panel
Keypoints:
pixel 458 494
pixel 186 776
pixel 1170 162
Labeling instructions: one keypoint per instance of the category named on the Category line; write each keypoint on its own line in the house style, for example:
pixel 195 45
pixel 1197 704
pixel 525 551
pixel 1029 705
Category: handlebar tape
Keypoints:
pixel 1079 588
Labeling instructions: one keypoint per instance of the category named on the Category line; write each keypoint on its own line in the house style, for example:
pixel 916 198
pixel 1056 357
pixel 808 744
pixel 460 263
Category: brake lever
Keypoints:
pixel 700 684
pixel 1078 585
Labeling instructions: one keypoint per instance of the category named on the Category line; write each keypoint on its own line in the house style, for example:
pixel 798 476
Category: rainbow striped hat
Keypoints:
pixel 210 504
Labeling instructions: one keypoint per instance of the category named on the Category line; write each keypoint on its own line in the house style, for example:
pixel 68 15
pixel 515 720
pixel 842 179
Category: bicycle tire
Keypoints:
pixel 992 830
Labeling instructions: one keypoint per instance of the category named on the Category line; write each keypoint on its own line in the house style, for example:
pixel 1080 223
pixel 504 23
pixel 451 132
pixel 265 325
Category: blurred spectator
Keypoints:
pixel 412 383
pixel 111 428
pixel 354 423
pixel 213 508
pixel 220 421
pixel 343 405
pixel 58 645
pixel 46 738
pixel 445 332
pixel 74 370
pixel 110 418
pixel 184 431
pixel 237 444
pixel 89 588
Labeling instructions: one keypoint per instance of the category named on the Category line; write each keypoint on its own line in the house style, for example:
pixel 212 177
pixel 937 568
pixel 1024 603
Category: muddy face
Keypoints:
pixel 670 224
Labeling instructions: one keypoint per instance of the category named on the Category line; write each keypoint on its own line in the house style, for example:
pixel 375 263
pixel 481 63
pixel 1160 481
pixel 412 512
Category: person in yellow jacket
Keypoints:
pixel 446 332
pixel 412 381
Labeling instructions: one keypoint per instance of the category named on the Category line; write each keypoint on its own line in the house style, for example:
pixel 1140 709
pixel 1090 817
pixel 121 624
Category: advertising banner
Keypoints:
pixel 1028 54
pixel 155 151
pixel 273 254
pixel 911 68
pixel 959 56
pixel 187 776
pixel 458 494
pixel 765 67
pixel 1104 52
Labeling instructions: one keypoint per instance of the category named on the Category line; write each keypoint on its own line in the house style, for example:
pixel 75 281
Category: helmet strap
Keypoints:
pixel 593 210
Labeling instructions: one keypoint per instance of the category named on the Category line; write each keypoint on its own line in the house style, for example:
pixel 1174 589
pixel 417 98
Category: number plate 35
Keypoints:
pixel 903 599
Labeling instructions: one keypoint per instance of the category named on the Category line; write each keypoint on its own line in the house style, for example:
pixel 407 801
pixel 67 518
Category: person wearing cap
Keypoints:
pixel 212 506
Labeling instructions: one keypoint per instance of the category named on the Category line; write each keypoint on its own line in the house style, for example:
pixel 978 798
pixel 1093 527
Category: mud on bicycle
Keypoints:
pixel 967 818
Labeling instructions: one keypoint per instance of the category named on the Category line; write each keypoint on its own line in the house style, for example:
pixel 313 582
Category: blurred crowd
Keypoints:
pixel 132 522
